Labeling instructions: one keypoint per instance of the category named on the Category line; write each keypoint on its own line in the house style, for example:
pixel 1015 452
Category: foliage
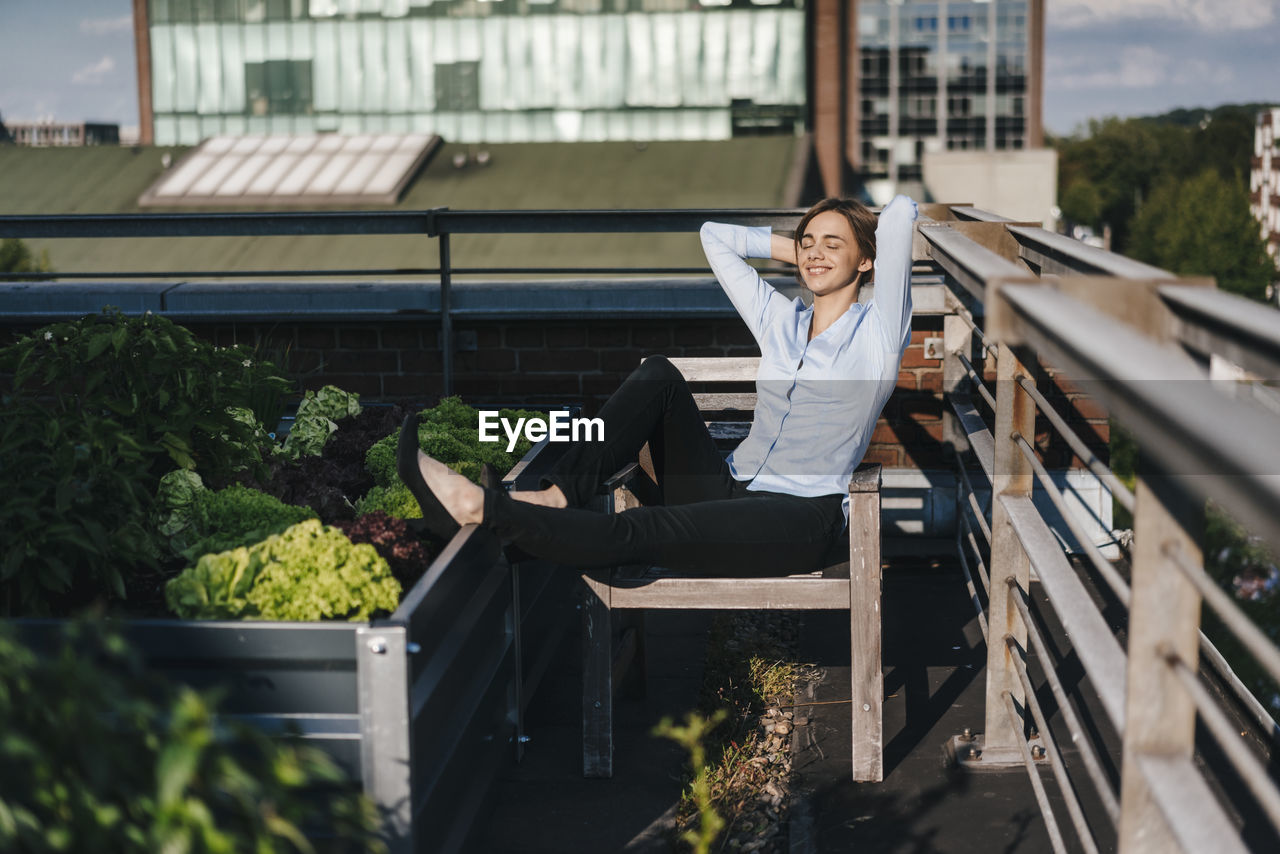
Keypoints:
pixel 691 737
pixel 1202 226
pixel 72 507
pixel 199 521
pixel 183 397
pixel 395 500
pixel 402 549
pixel 309 572
pixel 450 432
pixel 315 420
pixel 16 257
pixel 1108 174
pixel 99 756
pixel 332 482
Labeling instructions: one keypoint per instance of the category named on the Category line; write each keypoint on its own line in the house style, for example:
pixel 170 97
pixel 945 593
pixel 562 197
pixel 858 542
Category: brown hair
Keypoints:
pixel 862 222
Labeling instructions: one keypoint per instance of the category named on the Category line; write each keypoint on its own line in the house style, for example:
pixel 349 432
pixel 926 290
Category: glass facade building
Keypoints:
pixel 942 75
pixel 473 71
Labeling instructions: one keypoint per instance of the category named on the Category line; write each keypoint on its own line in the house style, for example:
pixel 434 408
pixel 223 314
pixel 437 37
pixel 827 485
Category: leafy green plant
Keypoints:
pixel 692 737
pixel 16 257
pixel 72 508
pixel 450 432
pixel 187 398
pixel 197 521
pixel 101 756
pixel 315 420
pixel 308 572
pixel 394 500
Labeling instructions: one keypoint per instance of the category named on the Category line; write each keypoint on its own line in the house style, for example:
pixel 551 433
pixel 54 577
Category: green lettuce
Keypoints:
pixel 309 572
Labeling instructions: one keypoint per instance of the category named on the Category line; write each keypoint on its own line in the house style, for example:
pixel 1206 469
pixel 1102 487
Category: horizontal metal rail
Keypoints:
pixel 978 512
pixel 1247 765
pixel 1197 431
pixel 1181 795
pixel 1090 756
pixel 988 350
pixel 1238 329
pixel 428 222
pixel 978 382
pixel 1119 491
pixel 1254 639
pixel 976 431
pixel 1051 745
pixel 1037 785
pixel 1117 584
pixel 1057 254
pixel 969 264
pixel 1095 643
pixel 385 271
pixel 973 591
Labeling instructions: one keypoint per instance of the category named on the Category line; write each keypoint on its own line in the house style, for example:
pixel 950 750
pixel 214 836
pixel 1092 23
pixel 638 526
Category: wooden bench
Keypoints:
pixel 853 586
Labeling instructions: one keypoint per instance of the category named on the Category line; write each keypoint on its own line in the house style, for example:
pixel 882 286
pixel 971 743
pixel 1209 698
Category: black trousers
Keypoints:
pixel 708 522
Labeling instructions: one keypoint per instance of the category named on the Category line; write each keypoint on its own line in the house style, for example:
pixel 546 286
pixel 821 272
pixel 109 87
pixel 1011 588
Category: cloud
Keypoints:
pixel 106 26
pixel 92 75
pixel 1205 14
pixel 1136 67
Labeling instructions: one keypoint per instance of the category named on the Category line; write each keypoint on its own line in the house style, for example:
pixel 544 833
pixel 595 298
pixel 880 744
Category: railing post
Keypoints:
pixel 1013 476
pixel 1164 617
pixel 446 320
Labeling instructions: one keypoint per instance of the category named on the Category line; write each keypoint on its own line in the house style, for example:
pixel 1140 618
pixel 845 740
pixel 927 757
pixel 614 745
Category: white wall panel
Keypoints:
pixel 373 40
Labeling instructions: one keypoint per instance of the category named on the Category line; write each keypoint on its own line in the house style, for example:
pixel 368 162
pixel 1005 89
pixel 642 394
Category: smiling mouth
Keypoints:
pixel 817 271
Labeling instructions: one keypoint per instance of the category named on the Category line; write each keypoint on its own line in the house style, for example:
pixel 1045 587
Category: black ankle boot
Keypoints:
pixel 434 516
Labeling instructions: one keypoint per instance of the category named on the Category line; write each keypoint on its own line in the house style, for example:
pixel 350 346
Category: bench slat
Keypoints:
pixel 698 369
pixel 790 593
pixel 721 401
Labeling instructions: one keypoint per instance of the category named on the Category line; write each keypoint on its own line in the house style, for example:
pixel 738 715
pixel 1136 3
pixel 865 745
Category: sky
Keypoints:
pixel 73 60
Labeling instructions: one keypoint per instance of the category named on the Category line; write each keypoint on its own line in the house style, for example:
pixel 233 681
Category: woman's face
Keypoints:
pixel 828 255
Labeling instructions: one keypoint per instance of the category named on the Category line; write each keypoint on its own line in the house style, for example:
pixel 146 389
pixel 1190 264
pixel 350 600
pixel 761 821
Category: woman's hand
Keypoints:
pixel 782 249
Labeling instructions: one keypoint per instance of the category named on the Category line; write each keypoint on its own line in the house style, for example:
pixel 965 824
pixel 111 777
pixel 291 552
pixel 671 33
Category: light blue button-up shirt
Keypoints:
pixel 817 401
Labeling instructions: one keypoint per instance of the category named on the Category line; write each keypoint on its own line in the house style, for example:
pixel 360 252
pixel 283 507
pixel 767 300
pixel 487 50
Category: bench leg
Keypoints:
pixel 597 686
pixel 866 675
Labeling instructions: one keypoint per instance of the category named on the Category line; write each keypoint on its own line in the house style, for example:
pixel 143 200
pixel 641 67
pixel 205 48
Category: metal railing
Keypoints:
pixel 438 223
pixel 1138 338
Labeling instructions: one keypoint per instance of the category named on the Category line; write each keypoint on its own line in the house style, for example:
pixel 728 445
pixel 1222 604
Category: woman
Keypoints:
pixel 779 502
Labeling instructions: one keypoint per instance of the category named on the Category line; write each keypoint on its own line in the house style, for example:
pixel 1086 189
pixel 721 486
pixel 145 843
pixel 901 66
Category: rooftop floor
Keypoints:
pixel 934 688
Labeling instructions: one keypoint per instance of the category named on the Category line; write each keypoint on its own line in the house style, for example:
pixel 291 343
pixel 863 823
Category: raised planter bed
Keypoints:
pixel 422 707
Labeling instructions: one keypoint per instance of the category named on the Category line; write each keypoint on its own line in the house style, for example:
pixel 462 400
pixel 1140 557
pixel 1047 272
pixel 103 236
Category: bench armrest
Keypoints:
pixel 634 478
pixel 866 478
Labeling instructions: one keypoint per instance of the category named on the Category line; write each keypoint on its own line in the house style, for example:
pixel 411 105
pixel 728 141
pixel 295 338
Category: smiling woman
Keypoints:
pixel 779 502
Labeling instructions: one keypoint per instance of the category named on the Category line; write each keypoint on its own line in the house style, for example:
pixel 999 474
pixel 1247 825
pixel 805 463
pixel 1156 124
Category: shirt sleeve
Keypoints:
pixel 892 295
pixel 726 247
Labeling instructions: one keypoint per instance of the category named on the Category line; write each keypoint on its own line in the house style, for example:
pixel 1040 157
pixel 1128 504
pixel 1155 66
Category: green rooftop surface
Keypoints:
pixel 739 173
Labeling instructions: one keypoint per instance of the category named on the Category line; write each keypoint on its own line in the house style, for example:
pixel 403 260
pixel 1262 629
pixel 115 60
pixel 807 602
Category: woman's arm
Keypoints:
pixel 782 249
pixel 727 247
pixel 892 294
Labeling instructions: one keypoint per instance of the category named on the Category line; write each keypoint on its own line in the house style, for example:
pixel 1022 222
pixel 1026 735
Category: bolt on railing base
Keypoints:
pixel 969 751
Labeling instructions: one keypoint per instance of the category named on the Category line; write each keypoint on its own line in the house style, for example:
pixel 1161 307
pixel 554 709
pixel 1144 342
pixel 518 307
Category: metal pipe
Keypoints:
pixel 1118 489
pixel 1087 753
pixel 1209 653
pixel 1250 635
pixel 973 593
pixel 977 381
pixel 387 271
pixel 967 316
pixel 978 512
pixel 1117 584
pixel 1051 746
pixel 973 543
pixel 1252 771
pixel 1042 799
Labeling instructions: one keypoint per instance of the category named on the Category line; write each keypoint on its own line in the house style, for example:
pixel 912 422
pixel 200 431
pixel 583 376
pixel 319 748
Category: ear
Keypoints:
pixel 865 264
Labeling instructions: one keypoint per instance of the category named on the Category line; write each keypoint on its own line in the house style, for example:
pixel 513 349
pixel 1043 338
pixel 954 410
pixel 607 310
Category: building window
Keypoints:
pixel 458 86
pixel 278 87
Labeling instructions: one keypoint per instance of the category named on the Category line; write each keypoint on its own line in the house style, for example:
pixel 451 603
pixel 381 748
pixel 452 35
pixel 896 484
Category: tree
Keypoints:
pixel 1202 226
pixel 16 257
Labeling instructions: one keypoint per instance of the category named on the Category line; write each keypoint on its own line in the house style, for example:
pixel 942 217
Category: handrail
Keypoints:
pixel 1198 442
